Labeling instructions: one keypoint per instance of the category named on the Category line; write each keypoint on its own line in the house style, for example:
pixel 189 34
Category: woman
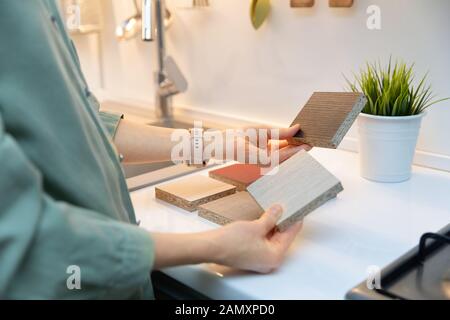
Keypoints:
pixel 64 201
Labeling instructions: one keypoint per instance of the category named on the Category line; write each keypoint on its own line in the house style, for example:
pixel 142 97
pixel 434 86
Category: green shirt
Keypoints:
pixel 63 196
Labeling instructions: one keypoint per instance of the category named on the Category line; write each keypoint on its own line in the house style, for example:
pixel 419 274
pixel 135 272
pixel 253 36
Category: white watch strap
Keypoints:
pixel 197 146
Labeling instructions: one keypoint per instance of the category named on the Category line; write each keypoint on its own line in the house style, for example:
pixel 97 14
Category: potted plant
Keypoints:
pixel 389 123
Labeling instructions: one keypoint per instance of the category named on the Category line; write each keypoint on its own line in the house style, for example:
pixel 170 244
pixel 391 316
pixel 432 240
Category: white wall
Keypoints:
pixel 89 51
pixel 268 74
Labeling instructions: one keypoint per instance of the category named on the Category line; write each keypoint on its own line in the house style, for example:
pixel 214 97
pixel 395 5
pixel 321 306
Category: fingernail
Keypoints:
pixel 276 211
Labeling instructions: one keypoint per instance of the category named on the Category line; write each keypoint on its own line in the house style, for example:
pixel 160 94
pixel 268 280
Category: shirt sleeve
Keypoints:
pixel 111 121
pixel 42 241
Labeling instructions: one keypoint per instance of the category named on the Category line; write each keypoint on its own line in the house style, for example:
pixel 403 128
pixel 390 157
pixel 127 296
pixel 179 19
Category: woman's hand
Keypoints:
pixel 270 140
pixel 140 143
pixel 250 245
pixel 255 246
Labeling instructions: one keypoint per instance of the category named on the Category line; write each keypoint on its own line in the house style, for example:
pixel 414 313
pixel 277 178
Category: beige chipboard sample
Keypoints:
pixel 238 207
pixel 300 185
pixel 189 193
pixel 327 117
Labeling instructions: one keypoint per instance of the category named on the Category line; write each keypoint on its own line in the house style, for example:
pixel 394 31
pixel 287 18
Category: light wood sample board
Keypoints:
pixel 238 207
pixel 300 186
pixel 240 175
pixel 189 193
pixel 327 117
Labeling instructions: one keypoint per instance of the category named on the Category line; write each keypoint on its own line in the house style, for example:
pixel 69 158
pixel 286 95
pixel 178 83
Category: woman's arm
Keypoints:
pixel 42 239
pixel 252 246
pixel 140 143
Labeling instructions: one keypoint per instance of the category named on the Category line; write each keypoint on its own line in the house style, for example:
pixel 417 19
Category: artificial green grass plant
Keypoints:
pixel 391 90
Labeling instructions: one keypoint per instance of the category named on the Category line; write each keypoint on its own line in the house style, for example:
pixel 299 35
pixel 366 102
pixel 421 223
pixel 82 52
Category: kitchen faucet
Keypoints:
pixel 169 79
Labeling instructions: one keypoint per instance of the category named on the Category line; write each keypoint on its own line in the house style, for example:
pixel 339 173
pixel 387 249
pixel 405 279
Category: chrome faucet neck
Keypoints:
pixel 168 78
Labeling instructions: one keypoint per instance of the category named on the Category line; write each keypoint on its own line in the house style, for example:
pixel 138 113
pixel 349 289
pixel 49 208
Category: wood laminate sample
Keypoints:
pixel 340 3
pixel 193 191
pixel 239 175
pixel 300 186
pixel 238 207
pixel 302 3
pixel 327 117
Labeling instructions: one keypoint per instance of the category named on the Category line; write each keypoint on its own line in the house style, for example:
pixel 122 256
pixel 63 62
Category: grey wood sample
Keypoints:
pixel 300 186
pixel 238 207
pixel 327 117
pixel 189 193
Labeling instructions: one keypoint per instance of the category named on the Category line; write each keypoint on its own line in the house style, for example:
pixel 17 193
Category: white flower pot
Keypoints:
pixel 387 145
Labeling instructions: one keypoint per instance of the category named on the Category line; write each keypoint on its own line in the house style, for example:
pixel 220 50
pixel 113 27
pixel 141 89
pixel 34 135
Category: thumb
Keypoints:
pixel 286 133
pixel 269 219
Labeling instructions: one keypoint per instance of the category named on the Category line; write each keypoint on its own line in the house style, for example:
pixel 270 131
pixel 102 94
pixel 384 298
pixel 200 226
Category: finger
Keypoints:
pixel 289 132
pixel 283 133
pixel 277 156
pixel 287 152
pixel 307 147
pixel 277 144
pixel 269 219
pixel 284 239
pixel 282 144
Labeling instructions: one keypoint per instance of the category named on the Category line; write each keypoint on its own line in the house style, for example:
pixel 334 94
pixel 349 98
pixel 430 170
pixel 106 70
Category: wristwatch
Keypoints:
pixel 197 145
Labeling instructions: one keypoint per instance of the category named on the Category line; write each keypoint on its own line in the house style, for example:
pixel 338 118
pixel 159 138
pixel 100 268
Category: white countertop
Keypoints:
pixel 368 224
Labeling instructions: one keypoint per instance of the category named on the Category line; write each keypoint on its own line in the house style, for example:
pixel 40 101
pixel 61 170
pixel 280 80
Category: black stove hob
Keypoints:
pixel 423 273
